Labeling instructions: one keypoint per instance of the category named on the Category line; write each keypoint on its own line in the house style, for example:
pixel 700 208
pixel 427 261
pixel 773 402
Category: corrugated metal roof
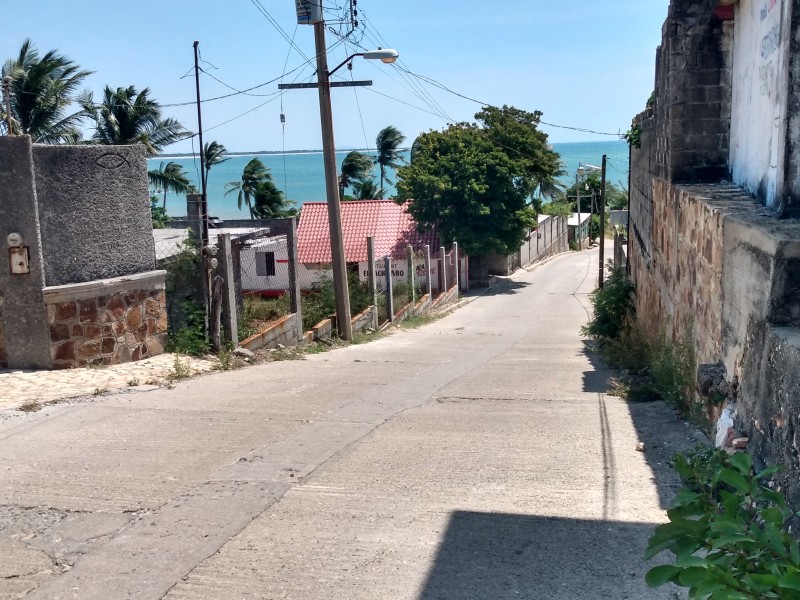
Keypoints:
pixel 387 222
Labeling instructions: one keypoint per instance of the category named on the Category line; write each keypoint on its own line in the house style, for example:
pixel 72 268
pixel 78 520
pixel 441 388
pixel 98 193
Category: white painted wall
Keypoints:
pixel 760 89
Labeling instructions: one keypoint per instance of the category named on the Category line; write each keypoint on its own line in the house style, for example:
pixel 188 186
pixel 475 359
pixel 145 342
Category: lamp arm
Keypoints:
pixel 344 62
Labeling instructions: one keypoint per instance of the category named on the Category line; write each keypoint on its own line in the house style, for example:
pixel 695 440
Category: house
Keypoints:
pixel 387 222
pixel 576 232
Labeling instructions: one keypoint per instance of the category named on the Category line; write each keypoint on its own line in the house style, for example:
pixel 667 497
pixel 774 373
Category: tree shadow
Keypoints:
pixel 506 286
pixel 503 556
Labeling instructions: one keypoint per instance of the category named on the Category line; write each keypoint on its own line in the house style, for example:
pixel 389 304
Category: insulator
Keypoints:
pixel 283 118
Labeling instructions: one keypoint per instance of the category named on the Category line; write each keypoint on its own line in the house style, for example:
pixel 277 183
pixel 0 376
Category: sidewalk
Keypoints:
pixel 28 387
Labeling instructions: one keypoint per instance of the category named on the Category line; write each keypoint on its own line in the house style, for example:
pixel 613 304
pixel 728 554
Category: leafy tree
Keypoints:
pixel 42 89
pixel 158 214
pixel 590 185
pixel 474 183
pixel 366 189
pixel 169 177
pixel 213 154
pixel 355 166
pixel 388 145
pixel 257 190
pixel 125 116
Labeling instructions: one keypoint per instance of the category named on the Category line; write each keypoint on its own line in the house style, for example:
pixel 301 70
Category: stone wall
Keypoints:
pixel 3 354
pixel 108 322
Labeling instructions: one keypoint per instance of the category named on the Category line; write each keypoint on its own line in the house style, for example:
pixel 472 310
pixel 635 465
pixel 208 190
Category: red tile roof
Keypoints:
pixel 389 223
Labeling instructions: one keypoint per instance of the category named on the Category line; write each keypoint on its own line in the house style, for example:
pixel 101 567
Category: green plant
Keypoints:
pixel 672 370
pixel 158 214
pixel 727 532
pixel 191 337
pixel 573 245
pixel 613 307
pixel 133 382
pixel 634 135
pixel 180 370
pixel 259 311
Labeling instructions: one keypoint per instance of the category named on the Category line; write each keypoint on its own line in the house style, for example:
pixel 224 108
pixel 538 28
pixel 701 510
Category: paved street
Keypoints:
pixel 474 458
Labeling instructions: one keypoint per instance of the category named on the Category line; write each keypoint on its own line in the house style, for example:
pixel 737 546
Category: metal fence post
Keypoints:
pixel 428 270
pixel 387 261
pixel 373 287
pixel 230 321
pixel 457 266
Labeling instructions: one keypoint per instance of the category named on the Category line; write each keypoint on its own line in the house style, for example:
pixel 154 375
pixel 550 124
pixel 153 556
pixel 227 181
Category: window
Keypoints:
pixel 265 264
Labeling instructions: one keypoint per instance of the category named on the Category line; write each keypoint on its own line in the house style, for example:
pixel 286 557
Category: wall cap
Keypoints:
pixel 152 280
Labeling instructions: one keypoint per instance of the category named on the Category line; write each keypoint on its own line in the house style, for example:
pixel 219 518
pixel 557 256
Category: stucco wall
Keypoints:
pixel 94 212
pixel 759 97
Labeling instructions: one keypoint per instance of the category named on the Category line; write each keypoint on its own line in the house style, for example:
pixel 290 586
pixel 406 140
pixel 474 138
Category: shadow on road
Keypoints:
pixel 503 556
pixel 508 286
pixel 661 428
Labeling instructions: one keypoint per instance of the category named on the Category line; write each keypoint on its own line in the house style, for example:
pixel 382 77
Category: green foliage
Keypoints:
pixel 127 116
pixel 727 532
pixel 613 307
pixel 590 186
pixel 169 177
pixel 355 166
pixel 158 214
pixel 213 154
pixel 672 370
pixel 474 182
pixel 388 145
pixel 365 188
pixel 259 311
pixel 594 228
pixel 190 338
pixel 557 209
pixel 42 89
pixel 321 303
pixel 634 135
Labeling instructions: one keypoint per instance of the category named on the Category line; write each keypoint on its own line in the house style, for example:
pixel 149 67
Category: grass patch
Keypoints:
pixel 30 406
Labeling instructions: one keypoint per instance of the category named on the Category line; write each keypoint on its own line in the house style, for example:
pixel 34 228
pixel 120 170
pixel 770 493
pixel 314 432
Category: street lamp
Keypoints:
pixel 338 259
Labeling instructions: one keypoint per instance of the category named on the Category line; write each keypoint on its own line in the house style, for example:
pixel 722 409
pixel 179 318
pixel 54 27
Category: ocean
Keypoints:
pixel 300 175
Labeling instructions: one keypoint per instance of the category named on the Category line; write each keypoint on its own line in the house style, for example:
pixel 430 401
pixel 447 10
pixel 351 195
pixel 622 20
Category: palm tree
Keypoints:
pixel 254 173
pixel 170 177
pixel 41 91
pixel 354 166
pixel 213 154
pixel 269 201
pixel 125 116
pixel 388 145
pixel 365 189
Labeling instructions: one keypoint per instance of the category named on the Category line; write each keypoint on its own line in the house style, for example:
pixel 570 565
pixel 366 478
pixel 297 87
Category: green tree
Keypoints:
pixel 125 116
pixel 158 214
pixel 366 189
pixel 213 154
pixel 254 174
pixel 270 203
pixel 169 177
pixel 474 182
pixel 355 166
pixel 42 90
pixel 388 145
pixel 590 184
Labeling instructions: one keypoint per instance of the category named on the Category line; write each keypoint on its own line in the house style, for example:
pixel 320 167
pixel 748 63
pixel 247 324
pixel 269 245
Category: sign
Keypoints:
pixel 308 11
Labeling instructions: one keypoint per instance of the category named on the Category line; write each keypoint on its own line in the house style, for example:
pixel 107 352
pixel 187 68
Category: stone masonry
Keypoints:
pixel 107 330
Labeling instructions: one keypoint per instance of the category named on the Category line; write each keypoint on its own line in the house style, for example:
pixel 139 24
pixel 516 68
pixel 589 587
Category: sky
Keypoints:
pixel 584 64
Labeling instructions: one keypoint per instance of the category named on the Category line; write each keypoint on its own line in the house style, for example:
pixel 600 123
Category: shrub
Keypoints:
pixel 613 307
pixel 727 532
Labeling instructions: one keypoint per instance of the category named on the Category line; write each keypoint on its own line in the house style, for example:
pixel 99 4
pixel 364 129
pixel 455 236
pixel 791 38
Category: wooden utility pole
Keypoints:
pixel 7 95
pixel 203 191
pixel 339 264
pixel 602 222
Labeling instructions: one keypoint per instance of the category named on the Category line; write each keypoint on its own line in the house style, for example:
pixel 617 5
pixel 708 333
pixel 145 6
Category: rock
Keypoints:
pixel 640 447
pixel 281 347
pixel 244 353
pixel 740 443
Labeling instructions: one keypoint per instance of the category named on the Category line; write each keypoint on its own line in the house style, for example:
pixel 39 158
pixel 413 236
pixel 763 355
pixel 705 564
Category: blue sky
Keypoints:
pixel 582 63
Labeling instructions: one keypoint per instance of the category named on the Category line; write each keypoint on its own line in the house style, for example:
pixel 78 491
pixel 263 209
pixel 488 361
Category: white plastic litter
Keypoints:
pixel 724 426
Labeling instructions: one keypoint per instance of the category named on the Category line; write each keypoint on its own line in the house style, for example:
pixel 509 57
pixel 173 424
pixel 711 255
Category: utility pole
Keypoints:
pixel 338 259
pixel 602 222
pixel 203 191
pixel 7 95
pixel 578 192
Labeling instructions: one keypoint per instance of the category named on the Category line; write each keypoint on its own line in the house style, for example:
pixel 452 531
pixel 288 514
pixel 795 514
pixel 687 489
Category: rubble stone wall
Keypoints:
pixel 92 326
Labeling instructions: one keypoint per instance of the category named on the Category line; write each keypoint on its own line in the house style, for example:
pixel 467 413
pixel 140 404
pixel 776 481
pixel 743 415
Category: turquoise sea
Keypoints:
pixel 301 174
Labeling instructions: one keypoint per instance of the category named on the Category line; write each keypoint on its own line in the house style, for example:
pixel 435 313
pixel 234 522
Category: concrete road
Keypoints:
pixel 475 458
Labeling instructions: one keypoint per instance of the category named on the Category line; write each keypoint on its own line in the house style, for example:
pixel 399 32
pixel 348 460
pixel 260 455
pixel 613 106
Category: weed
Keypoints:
pixel 133 382
pixel 180 370
pixel 258 312
pixel 613 307
pixel 99 391
pixel 191 337
pixel 727 530
pixel 420 320
pixel 30 406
